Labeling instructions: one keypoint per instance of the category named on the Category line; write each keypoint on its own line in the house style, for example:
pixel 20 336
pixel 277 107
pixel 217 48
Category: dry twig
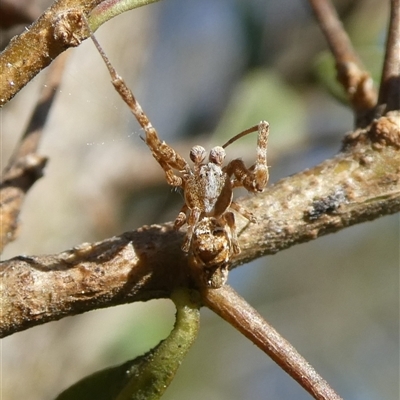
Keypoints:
pixel 26 166
pixel 234 309
pixel 356 82
pixel 389 92
pixel 33 50
pixel 60 27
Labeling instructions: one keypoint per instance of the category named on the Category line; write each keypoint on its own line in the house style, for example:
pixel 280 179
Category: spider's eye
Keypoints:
pixel 197 154
pixel 217 155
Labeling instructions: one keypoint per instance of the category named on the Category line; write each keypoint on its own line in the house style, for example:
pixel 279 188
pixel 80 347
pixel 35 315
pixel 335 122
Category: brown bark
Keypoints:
pixel 33 50
pixel 359 184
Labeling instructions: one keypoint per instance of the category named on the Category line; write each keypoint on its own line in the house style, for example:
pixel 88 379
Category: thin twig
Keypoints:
pixel 235 310
pixel 58 28
pixel 33 50
pixel 26 166
pixel 33 132
pixel 389 92
pixel 350 73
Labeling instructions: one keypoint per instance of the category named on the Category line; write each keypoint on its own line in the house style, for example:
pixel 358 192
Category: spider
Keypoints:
pixel 208 188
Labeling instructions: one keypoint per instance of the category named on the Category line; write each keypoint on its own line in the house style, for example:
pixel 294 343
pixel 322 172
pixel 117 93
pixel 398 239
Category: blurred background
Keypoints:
pixel 204 71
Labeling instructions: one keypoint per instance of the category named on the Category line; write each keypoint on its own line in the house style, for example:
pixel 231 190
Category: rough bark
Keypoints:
pixel 361 183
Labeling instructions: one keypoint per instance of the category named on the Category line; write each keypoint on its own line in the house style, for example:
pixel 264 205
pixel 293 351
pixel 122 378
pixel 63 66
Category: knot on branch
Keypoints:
pixel 385 131
pixel 70 28
pixel 358 84
pixel 27 169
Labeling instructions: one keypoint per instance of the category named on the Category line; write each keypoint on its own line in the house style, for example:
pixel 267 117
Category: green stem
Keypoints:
pixel 148 376
pixel 159 366
pixel 110 8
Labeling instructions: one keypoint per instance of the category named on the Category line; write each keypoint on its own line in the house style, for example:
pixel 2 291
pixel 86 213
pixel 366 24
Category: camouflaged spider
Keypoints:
pixel 208 189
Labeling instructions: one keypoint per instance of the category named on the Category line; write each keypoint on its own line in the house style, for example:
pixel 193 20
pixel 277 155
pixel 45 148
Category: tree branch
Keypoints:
pixel 389 93
pixel 59 28
pixel 26 166
pixel 33 50
pixel 234 309
pixel 356 82
pixel 359 184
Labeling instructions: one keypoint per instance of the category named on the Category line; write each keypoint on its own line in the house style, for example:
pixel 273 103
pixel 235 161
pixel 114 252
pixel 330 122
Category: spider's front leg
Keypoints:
pixel 165 155
pixel 255 178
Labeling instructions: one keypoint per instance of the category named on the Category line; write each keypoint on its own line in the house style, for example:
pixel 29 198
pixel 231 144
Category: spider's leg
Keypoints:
pixel 192 220
pixel 242 211
pixel 254 179
pixel 230 221
pixel 181 218
pixel 166 156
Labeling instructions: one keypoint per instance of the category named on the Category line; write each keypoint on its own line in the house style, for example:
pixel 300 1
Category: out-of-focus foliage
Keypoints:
pixel 326 73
